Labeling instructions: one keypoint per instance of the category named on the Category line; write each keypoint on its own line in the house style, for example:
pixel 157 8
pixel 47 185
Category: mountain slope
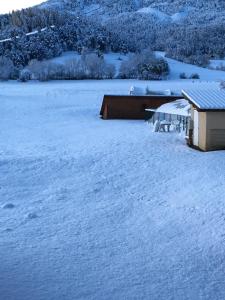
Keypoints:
pixel 189 31
pixel 195 11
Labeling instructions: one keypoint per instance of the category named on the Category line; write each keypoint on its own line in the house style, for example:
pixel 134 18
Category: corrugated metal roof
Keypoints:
pixel 206 99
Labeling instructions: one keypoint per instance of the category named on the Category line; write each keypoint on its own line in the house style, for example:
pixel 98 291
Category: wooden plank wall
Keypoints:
pixel 131 107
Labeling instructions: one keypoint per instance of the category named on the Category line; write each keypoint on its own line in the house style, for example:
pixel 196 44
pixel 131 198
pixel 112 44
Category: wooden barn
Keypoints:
pixel 132 107
pixel 207 123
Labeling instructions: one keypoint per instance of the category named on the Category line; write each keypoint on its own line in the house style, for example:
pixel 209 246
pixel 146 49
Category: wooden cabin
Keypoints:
pixel 207 123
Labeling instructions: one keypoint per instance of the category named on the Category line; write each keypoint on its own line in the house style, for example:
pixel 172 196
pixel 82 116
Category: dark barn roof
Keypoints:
pixel 131 107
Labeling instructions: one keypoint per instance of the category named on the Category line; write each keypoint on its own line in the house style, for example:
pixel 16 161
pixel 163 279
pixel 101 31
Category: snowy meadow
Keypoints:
pixel 93 209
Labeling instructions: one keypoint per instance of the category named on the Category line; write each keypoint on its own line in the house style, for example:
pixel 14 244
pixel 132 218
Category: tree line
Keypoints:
pixel 127 33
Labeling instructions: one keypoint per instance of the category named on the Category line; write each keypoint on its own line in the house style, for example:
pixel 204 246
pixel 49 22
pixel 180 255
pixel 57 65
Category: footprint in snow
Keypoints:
pixel 32 216
pixel 8 230
pixel 8 206
pixel 29 217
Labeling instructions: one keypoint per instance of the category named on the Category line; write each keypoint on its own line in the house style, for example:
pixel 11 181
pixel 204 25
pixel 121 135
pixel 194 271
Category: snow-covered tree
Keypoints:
pixel 6 68
pixel 25 75
pixel 144 66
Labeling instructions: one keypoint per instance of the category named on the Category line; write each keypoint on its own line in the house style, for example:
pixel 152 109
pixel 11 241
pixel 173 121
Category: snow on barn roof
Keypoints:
pixel 206 99
pixel 137 91
pixel 140 91
pixel 179 107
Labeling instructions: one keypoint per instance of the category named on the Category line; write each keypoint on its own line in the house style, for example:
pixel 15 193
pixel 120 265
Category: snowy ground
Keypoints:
pixel 93 209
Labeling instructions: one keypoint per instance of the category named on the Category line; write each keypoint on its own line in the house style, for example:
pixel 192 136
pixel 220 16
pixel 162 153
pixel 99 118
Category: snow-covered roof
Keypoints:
pixel 140 91
pixel 206 99
pixel 137 91
pixel 179 107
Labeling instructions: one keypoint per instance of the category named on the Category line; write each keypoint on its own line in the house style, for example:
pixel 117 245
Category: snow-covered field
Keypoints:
pixel 93 209
pixel 177 67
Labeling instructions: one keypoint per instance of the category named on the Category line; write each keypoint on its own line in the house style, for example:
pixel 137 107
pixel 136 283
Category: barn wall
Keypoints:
pixel 126 110
pixel 202 132
pixel 211 130
pixel 131 107
pixel 215 136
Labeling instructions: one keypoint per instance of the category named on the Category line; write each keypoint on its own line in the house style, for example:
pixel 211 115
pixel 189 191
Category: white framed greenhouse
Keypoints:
pixel 174 116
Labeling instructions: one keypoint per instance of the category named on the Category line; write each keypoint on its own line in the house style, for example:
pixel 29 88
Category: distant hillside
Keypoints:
pixel 187 30
pixel 196 11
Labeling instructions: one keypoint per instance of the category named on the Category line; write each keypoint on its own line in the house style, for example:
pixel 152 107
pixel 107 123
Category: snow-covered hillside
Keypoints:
pixel 35 32
pixel 178 17
pixel 190 31
pixel 217 64
pixel 176 67
pixel 165 10
pixel 156 13
pixel 93 209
